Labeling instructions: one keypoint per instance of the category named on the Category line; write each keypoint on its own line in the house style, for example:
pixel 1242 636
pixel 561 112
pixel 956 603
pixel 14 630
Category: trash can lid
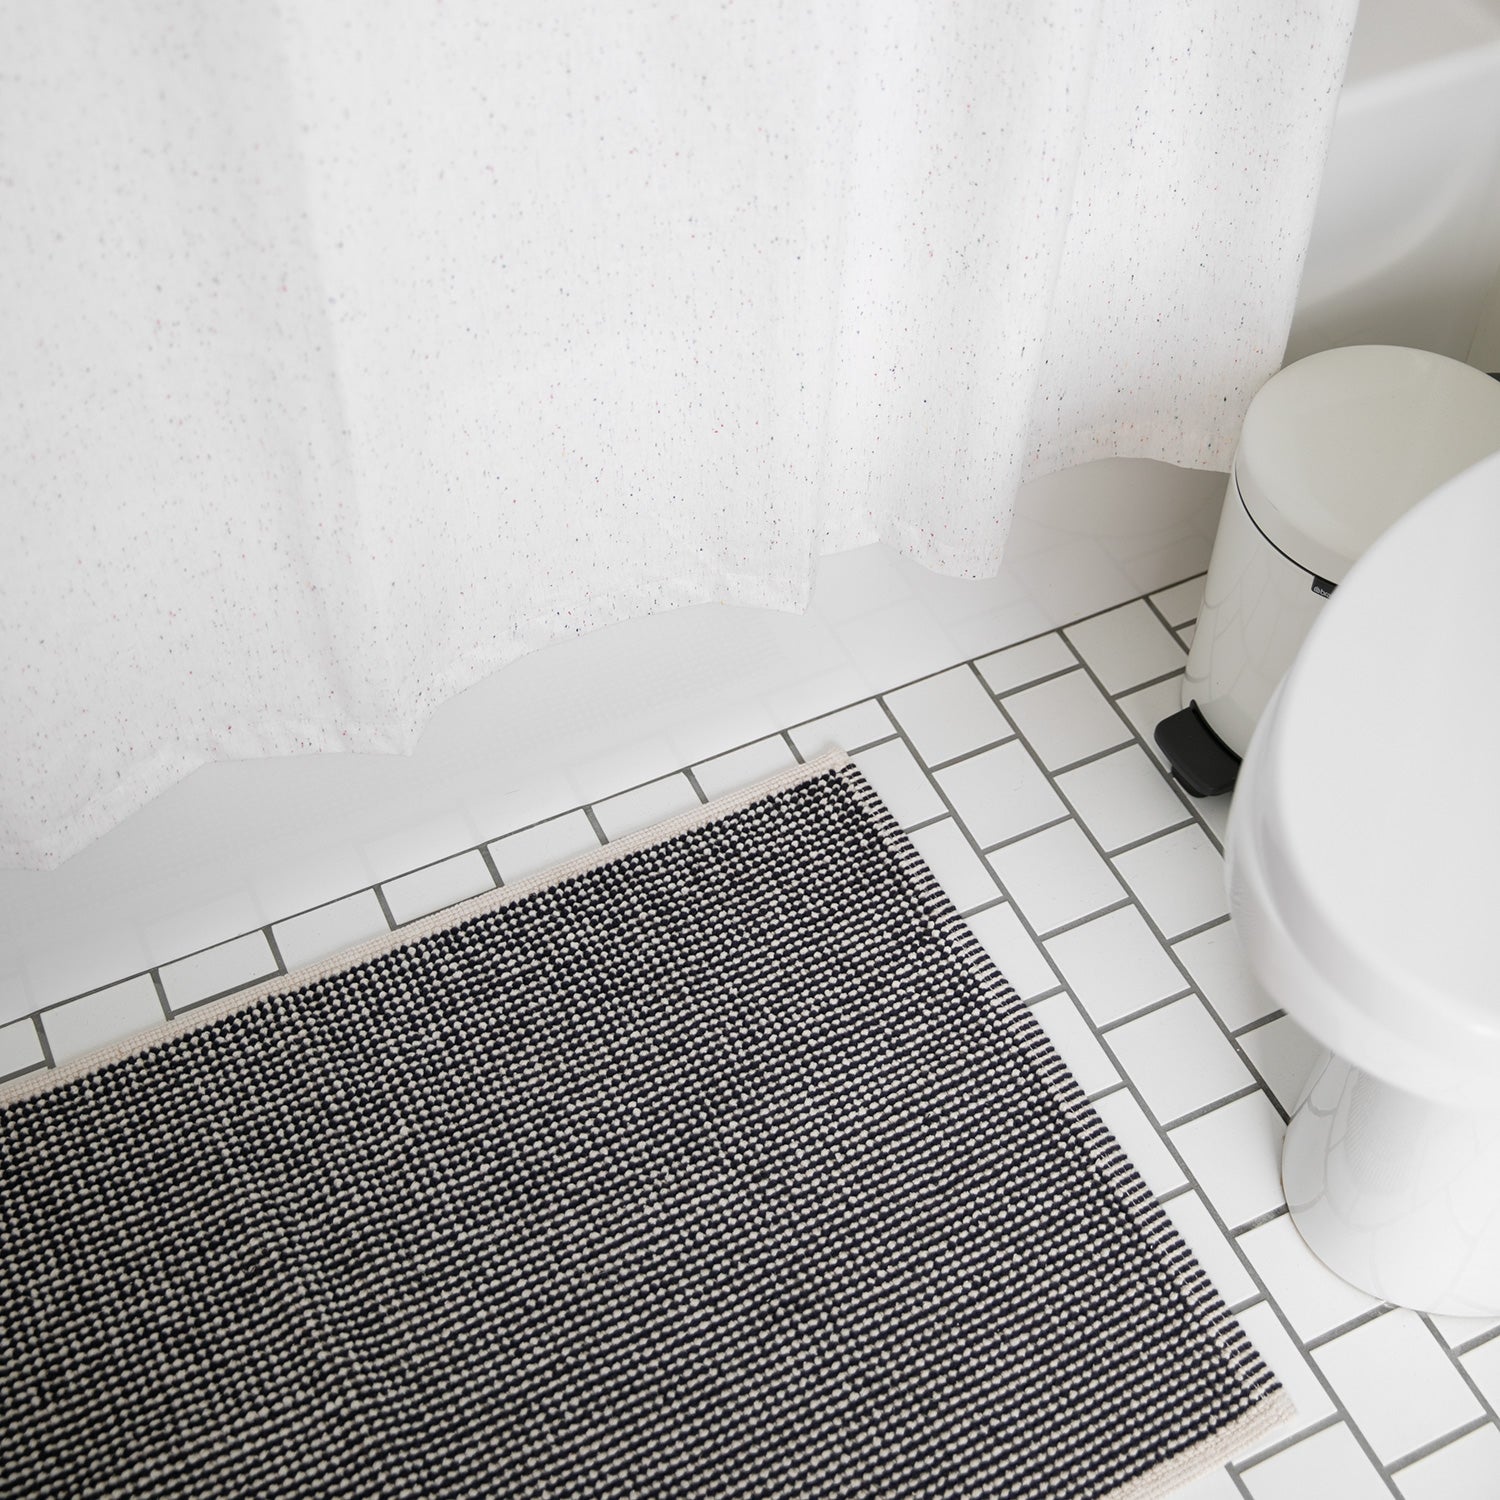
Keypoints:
pixel 1337 446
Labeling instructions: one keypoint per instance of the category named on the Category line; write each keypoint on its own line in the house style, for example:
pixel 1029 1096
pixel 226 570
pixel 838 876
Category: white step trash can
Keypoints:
pixel 1334 448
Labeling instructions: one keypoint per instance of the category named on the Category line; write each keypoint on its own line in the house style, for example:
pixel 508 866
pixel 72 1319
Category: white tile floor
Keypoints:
pixel 1028 779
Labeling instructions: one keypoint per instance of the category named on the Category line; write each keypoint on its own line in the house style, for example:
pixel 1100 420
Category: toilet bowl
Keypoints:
pixel 1363 861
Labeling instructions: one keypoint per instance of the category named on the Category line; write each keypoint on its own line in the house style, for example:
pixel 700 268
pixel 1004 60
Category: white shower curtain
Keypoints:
pixel 351 350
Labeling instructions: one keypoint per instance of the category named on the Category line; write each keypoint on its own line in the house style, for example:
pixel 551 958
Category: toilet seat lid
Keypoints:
pixel 1383 809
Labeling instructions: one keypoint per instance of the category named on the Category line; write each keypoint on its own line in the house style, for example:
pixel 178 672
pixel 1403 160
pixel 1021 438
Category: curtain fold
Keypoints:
pixel 352 351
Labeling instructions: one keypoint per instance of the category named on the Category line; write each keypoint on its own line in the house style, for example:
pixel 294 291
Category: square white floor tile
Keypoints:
pixel 1122 797
pixel 1114 965
pixel 1312 1297
pixel 900 782
pixel 645 806
pixel 1213 1249
pixel 542 846
pixel 1179 879
pixel 1000 793
pixel 1148 706
pixel 1283 1054
pixel 1127 646
pixel 1234 1153
pixel 1179 604
pixel 436 886
pixel 1178 1058
pixel 109 1015
pixel 1329 1465
pixel 1219 968
pixel 217 970
pixel 21 1048
pixel 744 767
pixel 1483 1365
pixel 948 715
pixel 1055 877
pixel 1140 1141
pixel 959 870
pixel 1466 1469
pixel 1066 718
pixel 1298 1378
pixel 327 930
pixel 1397 1383
pixel 1076 1044
pixel 1018 665
pixel 849 729
pixel 1023 963
pixel 895 644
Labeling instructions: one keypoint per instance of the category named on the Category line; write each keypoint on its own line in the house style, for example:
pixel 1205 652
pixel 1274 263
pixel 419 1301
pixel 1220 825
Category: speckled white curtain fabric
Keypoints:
pixel 351 351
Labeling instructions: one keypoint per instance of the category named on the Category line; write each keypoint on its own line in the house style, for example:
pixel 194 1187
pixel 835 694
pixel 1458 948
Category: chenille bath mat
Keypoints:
pixel 722 1162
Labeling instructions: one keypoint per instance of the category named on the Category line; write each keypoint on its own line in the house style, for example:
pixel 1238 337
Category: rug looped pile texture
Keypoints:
pixel 723 1162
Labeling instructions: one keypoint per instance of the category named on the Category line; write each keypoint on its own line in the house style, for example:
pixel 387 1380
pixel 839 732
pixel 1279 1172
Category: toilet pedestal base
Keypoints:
pixel 1398 1195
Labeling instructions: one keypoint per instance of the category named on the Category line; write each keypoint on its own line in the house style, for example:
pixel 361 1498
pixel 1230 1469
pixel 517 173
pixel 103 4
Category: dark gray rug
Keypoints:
pixel 725 1163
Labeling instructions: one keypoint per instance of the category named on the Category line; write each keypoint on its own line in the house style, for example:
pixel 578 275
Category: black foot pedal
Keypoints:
pixel 1200 760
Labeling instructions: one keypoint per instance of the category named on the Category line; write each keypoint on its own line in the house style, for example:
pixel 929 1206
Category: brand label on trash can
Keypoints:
pixel 1322 588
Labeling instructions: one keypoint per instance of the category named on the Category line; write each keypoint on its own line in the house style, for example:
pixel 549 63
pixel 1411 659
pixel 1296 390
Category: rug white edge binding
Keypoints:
pixel 43 1081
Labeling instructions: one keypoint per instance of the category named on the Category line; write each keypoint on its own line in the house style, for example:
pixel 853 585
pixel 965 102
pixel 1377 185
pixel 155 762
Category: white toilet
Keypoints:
pixel 1363 863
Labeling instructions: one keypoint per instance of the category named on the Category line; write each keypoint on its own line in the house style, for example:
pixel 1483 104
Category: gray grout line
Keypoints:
pixel 390 920
pixel 931 822
pixel 1428 1449
pixel 1208 1109
pixel 1150 838
pixel 41 1036
pixel 490 865
pixel 1199 930
pixel 1246 1305
pixel 958 760
pixel 1280 1212
pixel 1478 1341
pixel 1106 1027
pixel 234 989
pixel 275 947
pixel 1089 760
pixel 1152 605
pixel 1088 916
pixel 692 775
pixel 1260 1021
pixel 974 911
pixel 1022 687
pixel 1239 1483
pixel 791 744
pixel 1016 838
pixel 594 823
pixel 1333 1419
pixel 1464 1373
pixel 161 994
pixel 1171 1194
